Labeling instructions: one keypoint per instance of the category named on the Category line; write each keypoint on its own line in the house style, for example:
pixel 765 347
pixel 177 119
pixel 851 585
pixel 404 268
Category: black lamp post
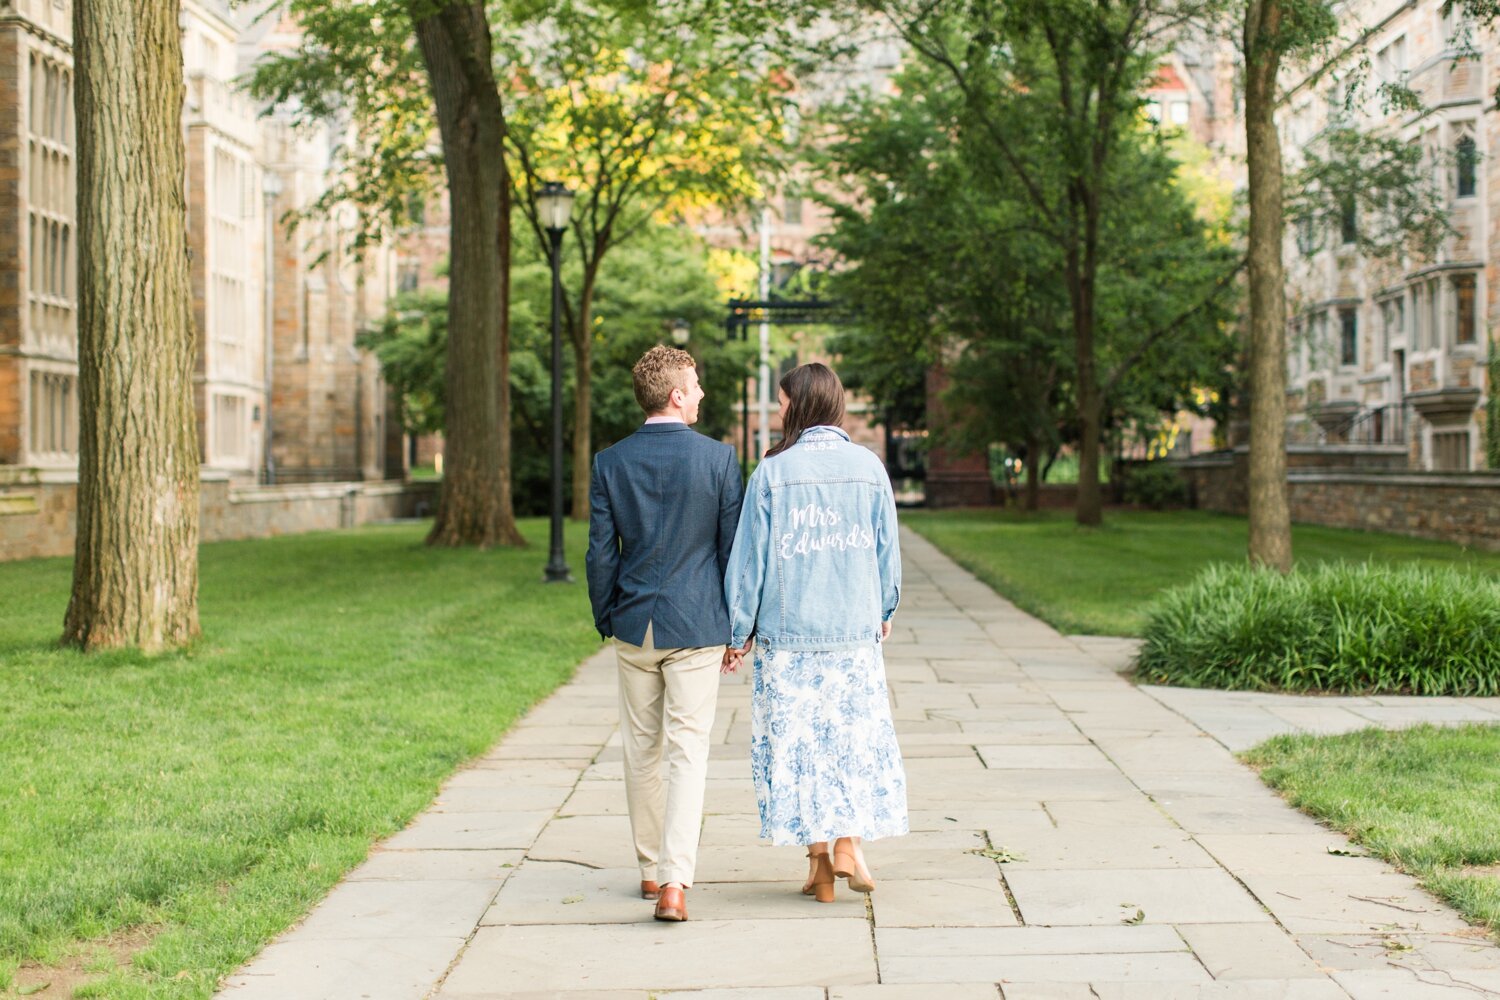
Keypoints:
pixel 554 205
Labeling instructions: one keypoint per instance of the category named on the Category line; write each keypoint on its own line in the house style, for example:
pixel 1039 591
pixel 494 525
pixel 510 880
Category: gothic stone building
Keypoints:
pixel 1396 353
pixel 281 390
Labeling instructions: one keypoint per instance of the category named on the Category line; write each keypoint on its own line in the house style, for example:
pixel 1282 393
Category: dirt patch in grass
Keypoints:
pixel 1485 871
pixel 90 961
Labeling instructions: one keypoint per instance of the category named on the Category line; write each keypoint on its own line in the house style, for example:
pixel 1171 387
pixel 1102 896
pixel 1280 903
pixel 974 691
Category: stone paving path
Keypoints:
pixel 1141 861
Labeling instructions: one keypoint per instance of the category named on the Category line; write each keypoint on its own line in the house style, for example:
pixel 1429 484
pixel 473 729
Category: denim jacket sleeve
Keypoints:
pixel 745 578
pixel 888 554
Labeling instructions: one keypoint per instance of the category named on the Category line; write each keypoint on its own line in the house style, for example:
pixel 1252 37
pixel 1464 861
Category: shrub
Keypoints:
pixel 1156 485
pixel 1341 627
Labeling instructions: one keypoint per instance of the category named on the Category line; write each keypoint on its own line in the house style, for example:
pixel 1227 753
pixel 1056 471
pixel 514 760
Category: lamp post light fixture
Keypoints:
pixel 554 206
pixel 681 331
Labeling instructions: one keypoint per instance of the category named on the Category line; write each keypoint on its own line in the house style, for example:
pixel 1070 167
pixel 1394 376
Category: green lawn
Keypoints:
pixel 201 802
pixel 1098 581
pixel 1425 799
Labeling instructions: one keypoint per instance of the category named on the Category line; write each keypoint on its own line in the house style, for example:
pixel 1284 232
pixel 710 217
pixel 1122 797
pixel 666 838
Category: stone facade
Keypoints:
pixel 38 237
pixel 38 509
pixel 265 316
pixel 1376 349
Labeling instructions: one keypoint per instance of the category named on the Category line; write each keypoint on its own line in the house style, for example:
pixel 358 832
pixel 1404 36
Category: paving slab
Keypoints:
pixel 698 954
pixel 1249 951
pixel 1089 848
pixel 1469 949
pixel 1291 854
pixel 1149 895
pixel 471 831
pixel 464 866
pixel 595 841
pixel 1349 904
pixel 1145 861
pixel 942 902
pixel 1412 984
pixel 1080 968
pixel 402 968
pixel 917 991
pixel 1259 989
pixel 386 909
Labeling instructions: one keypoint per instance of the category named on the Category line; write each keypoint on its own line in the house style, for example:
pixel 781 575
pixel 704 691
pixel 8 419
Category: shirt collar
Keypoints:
pixel 822 430
pixel 665 419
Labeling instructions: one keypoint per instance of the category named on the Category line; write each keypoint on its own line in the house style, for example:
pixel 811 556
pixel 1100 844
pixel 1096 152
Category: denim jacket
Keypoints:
pixel 816 563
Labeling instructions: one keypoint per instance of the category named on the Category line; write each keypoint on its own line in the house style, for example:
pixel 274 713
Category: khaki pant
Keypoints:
pixel 667 699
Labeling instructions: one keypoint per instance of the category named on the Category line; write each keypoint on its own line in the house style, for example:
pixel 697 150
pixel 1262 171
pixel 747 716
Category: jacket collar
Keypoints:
pixel 822 430
pixel 663 428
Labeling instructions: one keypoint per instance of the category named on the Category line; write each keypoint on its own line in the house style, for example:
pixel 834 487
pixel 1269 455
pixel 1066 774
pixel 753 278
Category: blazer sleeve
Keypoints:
pixel 888 551
pixel 603 561
pixel 731 495
pixel 748 562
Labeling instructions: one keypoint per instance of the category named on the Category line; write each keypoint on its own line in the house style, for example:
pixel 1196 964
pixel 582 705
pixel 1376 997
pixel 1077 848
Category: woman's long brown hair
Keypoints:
pixel 814 398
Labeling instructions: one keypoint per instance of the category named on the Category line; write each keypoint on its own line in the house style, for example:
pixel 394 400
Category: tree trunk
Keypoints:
pixel 502 353
pixel 584 383
pixel 583 428
pixel 1270 518
pixel 1089 509
pixel 455 43
pixel 135 570
pixel 583 396
pixel 1033 473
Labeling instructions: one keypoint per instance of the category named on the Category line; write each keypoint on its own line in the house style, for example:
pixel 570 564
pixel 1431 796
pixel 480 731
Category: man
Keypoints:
pixel 664 505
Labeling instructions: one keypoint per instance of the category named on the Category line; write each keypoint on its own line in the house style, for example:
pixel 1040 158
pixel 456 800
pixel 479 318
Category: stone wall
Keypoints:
pixel 38 510
pixel 1462 507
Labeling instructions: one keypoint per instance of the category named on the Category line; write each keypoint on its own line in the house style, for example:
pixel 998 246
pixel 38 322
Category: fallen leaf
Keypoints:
pixel 1140 915
pixel 573 899
pixel 1346 852
pixel 27 991
pixel 999 855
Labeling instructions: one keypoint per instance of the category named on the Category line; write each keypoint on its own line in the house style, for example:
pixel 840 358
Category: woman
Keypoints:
pixel 812 581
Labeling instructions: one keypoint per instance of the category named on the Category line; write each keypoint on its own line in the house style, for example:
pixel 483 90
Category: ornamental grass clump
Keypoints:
pixel 1351 628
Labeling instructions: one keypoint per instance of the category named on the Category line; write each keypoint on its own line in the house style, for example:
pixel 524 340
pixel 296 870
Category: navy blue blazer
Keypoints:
pixel 663 508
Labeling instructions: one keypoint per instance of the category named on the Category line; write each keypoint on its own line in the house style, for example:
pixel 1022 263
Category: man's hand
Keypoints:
pixel 733 658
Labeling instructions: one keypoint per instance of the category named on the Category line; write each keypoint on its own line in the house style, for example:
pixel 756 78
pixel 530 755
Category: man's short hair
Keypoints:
pixel 659 371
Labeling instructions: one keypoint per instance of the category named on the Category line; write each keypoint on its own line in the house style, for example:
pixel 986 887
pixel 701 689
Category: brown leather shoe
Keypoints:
pixel 673 903
pixel 649 889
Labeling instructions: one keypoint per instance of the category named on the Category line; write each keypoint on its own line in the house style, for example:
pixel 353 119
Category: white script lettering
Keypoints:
pixel 856 537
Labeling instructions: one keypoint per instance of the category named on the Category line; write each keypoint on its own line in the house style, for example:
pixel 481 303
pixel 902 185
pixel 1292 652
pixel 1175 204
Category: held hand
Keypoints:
pixel 731 661
pixel 885 631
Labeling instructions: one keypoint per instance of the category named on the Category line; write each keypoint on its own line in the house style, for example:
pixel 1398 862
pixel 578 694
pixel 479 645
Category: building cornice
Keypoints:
pixel 1453 265
pixel 14 19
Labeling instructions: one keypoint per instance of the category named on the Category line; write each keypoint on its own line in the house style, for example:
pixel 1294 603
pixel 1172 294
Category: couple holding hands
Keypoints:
pixel 802 566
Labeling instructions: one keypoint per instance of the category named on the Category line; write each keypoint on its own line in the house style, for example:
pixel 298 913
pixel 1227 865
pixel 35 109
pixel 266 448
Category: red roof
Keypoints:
pixel 1167 79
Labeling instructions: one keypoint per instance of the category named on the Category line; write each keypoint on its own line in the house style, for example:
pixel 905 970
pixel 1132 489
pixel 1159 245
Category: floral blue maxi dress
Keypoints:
pixel 823 748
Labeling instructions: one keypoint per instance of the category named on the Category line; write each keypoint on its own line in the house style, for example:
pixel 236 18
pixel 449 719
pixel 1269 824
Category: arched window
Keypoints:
pixel 1468 161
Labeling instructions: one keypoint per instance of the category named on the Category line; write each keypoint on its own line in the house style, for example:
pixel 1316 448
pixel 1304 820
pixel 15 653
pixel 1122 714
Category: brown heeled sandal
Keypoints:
pixel 822 880
pixel 846 865
pixel 812 869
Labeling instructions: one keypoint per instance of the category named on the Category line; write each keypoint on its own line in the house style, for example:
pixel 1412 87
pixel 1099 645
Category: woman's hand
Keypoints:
pixel 885 631
pixel 734 657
